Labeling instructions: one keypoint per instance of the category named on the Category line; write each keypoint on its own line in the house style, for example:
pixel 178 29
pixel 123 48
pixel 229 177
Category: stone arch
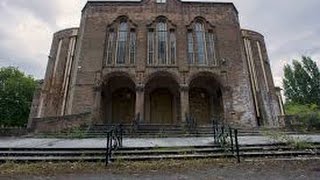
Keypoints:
pixel 203 20
pixel 208 74
pixel 161 18
pixel 118 98
pixel 206 98
pixel 162 73
pixel 162 99
pixel 120 19
pixel 114 74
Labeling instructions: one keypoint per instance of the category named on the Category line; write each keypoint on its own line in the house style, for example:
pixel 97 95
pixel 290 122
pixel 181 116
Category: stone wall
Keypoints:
pixel 60 124
pixel 34 109
pixel 13 131
pixel 264 92
pixel 53 95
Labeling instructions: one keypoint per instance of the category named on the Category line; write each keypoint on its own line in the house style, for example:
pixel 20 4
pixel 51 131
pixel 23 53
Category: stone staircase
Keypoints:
pixel 247 152
pixel 163 131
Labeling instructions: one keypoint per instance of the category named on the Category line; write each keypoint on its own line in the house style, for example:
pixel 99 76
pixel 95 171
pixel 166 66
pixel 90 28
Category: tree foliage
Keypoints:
pixel 16 93
pixel 302 82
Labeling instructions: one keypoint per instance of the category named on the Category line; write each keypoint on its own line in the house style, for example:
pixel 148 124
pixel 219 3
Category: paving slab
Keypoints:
pixel 134 142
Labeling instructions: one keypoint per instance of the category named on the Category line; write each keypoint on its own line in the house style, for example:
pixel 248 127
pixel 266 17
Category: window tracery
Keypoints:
pixel 201 43
pixel 121 42
pixel 161 42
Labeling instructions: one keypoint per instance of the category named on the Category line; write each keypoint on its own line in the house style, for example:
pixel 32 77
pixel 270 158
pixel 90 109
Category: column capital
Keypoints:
pixel 97 86
pixel 140 87
pixel 184 87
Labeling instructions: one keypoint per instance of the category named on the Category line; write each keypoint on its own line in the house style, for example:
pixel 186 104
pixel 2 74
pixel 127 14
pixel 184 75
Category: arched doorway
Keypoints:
pixel 123 102
pixel 162 100
pixel 118 100
pixel 161 103
pixel 205 100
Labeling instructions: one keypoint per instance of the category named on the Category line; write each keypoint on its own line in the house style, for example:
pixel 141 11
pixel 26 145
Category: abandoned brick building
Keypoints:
pixel 157 62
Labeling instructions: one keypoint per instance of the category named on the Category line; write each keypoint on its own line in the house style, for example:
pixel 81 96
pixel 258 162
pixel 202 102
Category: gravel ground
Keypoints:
pixel 273 170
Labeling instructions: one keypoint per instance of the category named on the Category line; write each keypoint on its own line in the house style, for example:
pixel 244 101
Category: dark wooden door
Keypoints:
pixel 161 107
pixel 123 106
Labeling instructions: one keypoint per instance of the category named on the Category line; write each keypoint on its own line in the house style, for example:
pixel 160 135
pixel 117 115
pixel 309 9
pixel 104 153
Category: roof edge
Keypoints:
pixel 141 1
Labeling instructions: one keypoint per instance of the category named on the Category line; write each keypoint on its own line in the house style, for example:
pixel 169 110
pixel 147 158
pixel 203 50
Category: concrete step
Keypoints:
pixel 52 159
pixel 271 154
pixel 272 150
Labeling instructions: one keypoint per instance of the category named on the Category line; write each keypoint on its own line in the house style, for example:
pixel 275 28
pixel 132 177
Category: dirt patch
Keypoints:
pixel 168 169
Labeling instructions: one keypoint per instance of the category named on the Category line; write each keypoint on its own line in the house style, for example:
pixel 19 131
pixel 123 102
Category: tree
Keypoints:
pixel 302 82
pixel 16 93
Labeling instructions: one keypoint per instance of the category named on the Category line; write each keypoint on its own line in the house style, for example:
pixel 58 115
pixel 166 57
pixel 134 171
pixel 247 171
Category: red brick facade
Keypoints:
pixel 234 86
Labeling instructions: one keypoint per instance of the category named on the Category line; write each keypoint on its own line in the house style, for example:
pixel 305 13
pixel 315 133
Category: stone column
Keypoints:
pixel 228 112
pixel 140 101
pixel 184 98
pixel 96 116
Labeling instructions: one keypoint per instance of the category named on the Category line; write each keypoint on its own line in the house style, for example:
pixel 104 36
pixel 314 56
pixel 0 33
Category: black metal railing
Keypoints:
pixel 227 138
pixel 114 141
pixel 191 123
pixel 135 123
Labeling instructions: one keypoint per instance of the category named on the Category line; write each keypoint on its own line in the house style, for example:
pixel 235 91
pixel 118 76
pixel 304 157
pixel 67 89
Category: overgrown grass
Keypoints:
pixel 49 168
pixel 294 142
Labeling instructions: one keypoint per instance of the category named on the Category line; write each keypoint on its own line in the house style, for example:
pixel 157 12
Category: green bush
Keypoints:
pixel 16 93
pixel 307 116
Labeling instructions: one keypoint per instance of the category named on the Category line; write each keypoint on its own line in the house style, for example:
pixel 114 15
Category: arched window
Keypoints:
pixel 121 43
pixel 201 47
pixel 161 43
pixel 172 59
pixel 200 41
pixel 110 47
pixel 190 48
pixel 132 48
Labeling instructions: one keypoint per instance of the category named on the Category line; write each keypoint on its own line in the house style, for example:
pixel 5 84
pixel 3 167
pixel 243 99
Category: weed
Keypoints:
pixel 294 142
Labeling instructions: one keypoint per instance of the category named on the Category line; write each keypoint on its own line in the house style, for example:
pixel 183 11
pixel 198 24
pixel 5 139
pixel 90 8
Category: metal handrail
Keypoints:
pixel 222 133
pixel 191 123
pixel 114 141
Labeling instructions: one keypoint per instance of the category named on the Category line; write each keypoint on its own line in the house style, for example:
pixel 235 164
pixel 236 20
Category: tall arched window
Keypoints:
pixel 172 59
pixel 121 43
pixel 201 47
pixel 200 41
pixel 161 43
pixel 110 48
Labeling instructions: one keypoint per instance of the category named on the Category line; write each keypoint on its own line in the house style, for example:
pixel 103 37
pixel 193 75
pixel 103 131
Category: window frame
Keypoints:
pixel 112 48
pixel 155 32
pixel 209 43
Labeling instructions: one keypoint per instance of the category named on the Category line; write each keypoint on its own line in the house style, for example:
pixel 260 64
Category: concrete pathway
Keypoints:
pixel 132 142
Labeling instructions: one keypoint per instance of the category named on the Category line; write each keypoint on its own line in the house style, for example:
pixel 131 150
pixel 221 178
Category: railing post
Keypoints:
pixel 108 147
pixel 121 135
pixel 223 135
pixel 231 140
pixel 237 144
pixel 214 132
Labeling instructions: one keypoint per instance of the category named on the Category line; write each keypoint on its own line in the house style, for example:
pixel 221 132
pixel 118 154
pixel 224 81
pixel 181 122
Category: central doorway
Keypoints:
pixel 161 107
pixel 162 99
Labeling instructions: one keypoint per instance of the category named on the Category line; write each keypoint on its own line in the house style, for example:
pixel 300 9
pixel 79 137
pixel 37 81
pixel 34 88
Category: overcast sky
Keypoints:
pixel 291 29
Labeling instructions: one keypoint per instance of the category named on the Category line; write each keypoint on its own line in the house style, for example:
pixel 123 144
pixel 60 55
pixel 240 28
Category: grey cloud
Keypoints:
pixel 290 28
pixel 46 10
